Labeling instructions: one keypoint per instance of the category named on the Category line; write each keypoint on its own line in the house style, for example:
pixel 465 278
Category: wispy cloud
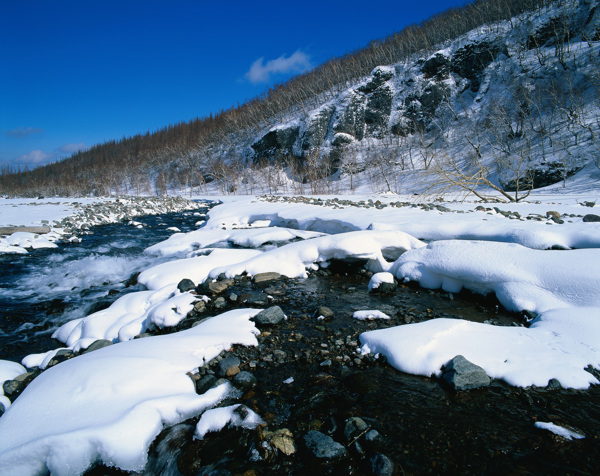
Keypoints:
pixel 72 148
pixel 39 157
pixel 22 132
pixel 262 73
pixel 35 157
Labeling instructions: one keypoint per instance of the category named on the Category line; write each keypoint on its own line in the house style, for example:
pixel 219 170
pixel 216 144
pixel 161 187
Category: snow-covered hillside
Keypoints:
pixel 509 105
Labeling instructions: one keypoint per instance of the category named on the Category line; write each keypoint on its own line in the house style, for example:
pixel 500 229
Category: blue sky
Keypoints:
pixel 74 73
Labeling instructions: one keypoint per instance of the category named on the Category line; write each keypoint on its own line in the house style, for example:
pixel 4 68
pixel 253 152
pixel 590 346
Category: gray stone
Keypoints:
pixel 554 384
pixel 186 285
pixel 269 317
pixel 461 374
pixel 13 388
pixel 99 344
pixel 216 287
pixel 355 426
pixel 259 299
pixel 590 217
pixel 323 446
pixel 219 303
pixel 324 312
pixel 373 440
pixel 224 365
pixel 199 307
pixel 2 409
pixel 381 465
pixel 265 279
pixel 245 379
pixel 205 383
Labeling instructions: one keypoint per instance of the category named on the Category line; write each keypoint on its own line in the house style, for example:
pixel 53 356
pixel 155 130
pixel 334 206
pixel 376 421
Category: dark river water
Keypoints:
pixel 45 288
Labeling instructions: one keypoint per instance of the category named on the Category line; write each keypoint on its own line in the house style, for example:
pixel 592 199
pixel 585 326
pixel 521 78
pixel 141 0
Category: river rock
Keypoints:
pixel 269 317
pixel 381 465
pixel 323 446
pixel 355 426
pixel 205 383
pixel 213 287
pixel 590 218
pixel 99 344
pixel 219 303
pixel 258 299
pixel 245 379
pixel 13 388
pixel 186 285
pixel 324 313
pixel 228 363
pixel 199 307
pixel 461 374
pixel 282 439
pixel 265 279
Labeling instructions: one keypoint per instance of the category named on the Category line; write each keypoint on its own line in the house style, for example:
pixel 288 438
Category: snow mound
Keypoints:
pixel 218 418
pixel 206 237
pixel 292 260
pixel 107 406
pixel 370 315
pixel 522 278
pixel 517 355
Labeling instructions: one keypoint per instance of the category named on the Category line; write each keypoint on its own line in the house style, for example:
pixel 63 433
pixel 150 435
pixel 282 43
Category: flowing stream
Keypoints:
pixel 42 290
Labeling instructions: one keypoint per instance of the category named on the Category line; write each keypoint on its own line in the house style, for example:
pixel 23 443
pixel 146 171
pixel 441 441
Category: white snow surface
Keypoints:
pixel 370 315
pixel 378 278
pixel 110 404
pixel 559 430
pixel 218 418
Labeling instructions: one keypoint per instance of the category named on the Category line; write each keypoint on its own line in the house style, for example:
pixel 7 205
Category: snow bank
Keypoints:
pixel 293 259
pixel 522 278
pixel 197 269
pixel 559 285
pixel 517 355
pixel 461 222
pixel 110 404
pixel 127 317
pixel 207 237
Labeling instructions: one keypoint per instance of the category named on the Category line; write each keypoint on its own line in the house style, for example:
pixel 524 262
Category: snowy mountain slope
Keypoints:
pixel 517 101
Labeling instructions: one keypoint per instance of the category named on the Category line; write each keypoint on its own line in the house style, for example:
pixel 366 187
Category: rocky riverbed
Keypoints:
pixel 328 409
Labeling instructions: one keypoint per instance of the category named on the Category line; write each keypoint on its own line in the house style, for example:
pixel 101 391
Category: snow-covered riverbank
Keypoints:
pixel 69 218
pixel 539 257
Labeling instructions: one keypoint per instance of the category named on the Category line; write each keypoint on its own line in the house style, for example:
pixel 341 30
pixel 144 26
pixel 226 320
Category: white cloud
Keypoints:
pixel 261 73
pixel 72 148
pixel 39 157
pixel 35 157
pixel 23 132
